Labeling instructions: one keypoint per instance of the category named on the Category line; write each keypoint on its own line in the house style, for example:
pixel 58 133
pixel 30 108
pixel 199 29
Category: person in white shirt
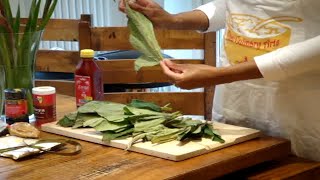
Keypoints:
pixel 269 68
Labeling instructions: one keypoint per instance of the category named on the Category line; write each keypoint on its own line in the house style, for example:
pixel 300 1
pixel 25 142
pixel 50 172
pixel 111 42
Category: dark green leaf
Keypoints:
pixel 137 111
pixel 145 105
pixel 110 135
pixel 48 15
pixel 81 118
pixel 46 8
pixel 66 122
pixel 35 15
pixel 7 12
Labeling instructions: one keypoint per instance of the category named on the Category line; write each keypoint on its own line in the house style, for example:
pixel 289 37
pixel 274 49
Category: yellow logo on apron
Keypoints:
pixel 248 36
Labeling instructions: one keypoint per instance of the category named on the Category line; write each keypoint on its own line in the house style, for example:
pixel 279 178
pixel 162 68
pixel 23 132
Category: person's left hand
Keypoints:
pixel 189 76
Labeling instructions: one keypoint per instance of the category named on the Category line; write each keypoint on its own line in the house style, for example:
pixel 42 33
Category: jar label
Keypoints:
pixel 83 88
pixel 16 108
pixel 44 108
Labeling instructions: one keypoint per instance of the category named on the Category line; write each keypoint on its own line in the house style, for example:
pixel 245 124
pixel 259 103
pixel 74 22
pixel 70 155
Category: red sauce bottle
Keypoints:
pixel 88 79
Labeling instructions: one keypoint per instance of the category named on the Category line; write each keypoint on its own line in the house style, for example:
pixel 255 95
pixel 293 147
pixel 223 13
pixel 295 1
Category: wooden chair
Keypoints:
pixel 57 61
pixel 122 71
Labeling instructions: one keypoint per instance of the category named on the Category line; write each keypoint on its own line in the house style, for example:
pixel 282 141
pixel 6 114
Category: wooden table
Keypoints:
pixel 102 162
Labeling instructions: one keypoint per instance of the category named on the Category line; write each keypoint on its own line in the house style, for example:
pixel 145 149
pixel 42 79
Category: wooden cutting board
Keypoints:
pixel 175 150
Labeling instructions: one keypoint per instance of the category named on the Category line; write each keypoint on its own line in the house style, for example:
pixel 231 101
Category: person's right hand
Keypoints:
pixel 189 76
pixel 153 11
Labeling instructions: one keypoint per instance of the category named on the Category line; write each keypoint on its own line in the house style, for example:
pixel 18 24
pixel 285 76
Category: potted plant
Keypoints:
pixel 19 42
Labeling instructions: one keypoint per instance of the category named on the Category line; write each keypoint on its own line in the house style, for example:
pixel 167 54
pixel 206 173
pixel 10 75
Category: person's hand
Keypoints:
pixel 153 11
pixel 189 76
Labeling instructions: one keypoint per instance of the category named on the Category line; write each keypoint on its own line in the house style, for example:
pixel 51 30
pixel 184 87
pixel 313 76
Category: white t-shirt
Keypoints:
pixel 283 38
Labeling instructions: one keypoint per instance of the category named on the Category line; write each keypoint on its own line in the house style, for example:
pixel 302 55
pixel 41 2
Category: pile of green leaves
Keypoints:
pixel 140 120
pixel 142 38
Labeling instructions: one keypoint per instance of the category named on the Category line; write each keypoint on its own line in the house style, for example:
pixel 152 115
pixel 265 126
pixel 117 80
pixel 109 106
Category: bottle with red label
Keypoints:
pixel 88 79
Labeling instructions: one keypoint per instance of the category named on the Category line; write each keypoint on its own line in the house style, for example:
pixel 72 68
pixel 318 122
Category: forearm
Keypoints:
pixel 239 72
pixel 192 20
pixel 291 60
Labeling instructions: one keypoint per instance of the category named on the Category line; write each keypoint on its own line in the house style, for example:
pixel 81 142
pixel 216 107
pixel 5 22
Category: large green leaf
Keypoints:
pixel 111 135
pixel 82 118
pixel 93 122
pixel 136 111
pixel 90 107
pixel 142 38
pixel 111 126
pixel 144 126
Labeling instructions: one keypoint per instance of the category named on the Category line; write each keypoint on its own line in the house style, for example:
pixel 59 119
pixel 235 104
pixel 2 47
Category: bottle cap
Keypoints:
pixel 87 53
pixel 44 90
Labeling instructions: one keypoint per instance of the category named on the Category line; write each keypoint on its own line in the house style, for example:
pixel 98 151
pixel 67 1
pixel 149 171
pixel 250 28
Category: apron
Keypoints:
pixel 290 108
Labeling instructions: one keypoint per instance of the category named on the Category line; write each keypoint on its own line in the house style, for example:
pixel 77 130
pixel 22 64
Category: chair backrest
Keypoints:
pixel 122 71
pixel 59 61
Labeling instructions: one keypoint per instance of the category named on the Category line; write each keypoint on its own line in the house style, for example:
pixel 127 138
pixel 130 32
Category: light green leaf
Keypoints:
pixel 110 135
pixel 93 122
pixel 90 107
pixel 111 126
pixel 144 126
pixel 142 38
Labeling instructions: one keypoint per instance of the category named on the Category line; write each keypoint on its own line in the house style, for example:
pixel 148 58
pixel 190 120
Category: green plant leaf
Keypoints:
pixel 111 126
pixel 82 118
pixel 16 27
pixel 142 38
pixel 136 111
pixel 68 120
pixel 7 12
pixel 145 105
pixel 35 15
pixel 46 8
pixel 111 135
pixel 48 15
pixel 93 122
pixel 167 135
pixel 90 107
pixel 144 126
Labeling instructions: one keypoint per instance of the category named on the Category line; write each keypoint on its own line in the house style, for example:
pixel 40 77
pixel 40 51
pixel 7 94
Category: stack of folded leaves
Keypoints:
pixel 140 120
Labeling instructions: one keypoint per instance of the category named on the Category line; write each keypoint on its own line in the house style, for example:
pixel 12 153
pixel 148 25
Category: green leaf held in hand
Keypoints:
pixel 143 38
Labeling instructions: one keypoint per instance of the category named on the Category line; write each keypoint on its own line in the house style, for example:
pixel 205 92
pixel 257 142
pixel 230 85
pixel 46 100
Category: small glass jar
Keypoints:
pixel 16 106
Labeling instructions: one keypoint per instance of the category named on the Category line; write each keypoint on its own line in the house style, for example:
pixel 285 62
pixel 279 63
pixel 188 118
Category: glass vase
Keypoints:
pixel 2 86
pixel 18 55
